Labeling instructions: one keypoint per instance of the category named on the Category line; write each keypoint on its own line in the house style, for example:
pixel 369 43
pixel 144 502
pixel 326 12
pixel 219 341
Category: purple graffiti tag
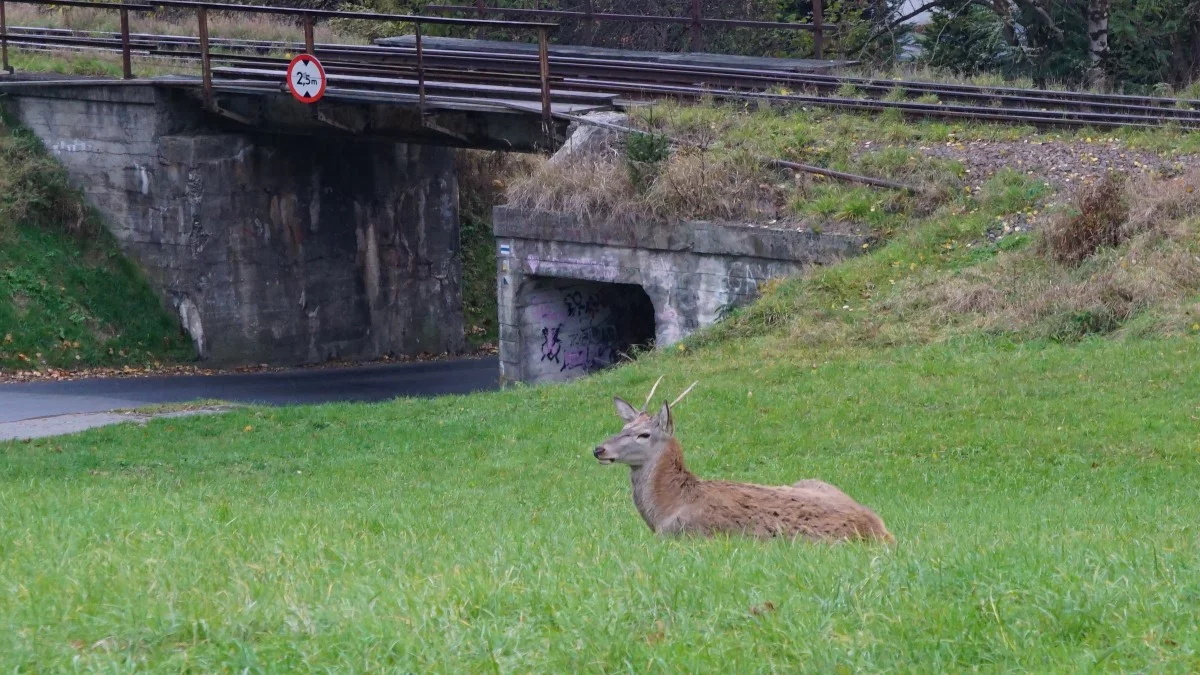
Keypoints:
pixel 575 359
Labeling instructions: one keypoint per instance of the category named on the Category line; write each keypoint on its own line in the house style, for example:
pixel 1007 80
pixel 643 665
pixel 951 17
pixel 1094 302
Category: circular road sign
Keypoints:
pixel 306 78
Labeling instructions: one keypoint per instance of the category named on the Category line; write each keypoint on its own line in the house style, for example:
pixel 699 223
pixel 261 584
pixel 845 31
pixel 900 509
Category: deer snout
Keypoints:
pixel 601 453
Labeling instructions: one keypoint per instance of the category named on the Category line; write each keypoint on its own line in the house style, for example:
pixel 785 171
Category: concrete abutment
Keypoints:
pixel 568 287
pixel 270 248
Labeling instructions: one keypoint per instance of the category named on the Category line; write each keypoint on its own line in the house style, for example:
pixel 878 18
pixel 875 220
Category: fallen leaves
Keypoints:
pixel 765 608
pixel 658 634
pixel 157 368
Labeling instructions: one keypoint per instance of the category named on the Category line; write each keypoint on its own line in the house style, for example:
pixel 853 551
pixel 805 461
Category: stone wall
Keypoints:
pixel 692 272
pixel 271 248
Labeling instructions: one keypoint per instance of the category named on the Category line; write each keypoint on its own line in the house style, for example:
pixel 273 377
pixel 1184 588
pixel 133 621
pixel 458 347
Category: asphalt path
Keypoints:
pixel 36 400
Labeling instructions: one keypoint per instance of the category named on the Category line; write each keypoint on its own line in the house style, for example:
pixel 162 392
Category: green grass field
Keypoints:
pixel 1043 497
pixel 1027 428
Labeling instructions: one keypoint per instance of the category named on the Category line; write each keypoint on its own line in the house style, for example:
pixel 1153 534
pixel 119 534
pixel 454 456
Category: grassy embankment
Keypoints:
pixel 68 298
pixel 1037 468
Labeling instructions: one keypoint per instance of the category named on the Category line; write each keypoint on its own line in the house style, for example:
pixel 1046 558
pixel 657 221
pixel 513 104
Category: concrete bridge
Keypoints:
pixel 280 232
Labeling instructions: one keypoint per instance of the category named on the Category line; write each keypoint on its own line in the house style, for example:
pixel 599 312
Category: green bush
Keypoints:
pixel 33 188
pixel 644 155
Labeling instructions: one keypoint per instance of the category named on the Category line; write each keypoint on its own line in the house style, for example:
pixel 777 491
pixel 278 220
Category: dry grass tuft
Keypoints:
pixel 483 175
pixel 1149 259
pixel 588 188
pixel 689 185
pixel 34 188
pixel 1099 222
pixel 1164 205
pixel 612 180
pixel 703 186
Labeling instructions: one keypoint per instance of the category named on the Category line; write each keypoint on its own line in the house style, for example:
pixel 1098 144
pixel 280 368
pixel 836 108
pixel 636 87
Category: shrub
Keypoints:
pixel 644 155
pixel 33 188
pixel 1100 222
pixel 1079 325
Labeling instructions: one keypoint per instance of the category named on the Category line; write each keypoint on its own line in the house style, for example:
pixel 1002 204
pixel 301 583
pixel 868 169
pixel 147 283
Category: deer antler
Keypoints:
pixel 651 394
pixel 685 393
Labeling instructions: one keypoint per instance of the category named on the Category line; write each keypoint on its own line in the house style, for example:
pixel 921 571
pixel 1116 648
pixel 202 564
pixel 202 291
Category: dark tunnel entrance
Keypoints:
pixel 571 328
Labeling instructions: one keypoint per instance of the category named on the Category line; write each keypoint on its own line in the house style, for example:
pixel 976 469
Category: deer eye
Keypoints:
pixel 643 435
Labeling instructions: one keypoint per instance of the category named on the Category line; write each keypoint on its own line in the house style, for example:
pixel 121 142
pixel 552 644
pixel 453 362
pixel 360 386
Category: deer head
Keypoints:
pixel 643 437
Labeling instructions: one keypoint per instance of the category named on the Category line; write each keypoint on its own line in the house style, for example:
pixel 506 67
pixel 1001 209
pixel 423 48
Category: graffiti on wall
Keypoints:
pixel 551 344
pixel 591 343
pixel 584 327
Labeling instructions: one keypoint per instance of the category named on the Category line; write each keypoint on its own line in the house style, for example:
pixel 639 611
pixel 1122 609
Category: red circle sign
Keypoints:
pixel 306 78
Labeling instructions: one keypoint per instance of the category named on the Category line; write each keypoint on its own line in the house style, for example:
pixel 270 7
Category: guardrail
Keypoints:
pixel 695 20
pixel 306 17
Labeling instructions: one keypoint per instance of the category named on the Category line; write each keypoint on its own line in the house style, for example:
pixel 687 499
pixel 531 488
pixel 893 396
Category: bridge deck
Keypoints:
pixel 494 118
pixel 349 88
pixel 441 95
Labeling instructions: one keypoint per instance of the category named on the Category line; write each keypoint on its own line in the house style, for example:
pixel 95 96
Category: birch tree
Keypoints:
pixel 1097 23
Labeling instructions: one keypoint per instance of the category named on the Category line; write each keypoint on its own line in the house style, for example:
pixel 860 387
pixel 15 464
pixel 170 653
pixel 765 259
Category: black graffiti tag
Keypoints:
pixel 551 344
pixel 578 305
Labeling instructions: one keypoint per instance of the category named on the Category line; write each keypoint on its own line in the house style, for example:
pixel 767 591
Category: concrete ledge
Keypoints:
pixel 702 237
pixel 104 91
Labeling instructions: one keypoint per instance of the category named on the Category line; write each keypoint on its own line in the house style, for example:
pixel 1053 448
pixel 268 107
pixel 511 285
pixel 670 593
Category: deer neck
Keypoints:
pixel 662 487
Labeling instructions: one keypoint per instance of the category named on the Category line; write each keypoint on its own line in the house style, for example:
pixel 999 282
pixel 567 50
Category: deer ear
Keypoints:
pixel 624 410
pixel 664 420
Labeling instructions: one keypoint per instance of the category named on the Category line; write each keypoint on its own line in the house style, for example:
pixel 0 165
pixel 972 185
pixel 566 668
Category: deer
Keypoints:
pixel 673 501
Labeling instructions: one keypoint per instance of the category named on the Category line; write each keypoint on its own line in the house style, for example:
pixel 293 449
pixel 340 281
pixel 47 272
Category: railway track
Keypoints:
pixel 395 67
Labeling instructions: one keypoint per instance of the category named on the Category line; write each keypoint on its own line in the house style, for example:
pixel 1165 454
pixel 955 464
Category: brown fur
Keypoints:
pixel 672 500
pixel 679 502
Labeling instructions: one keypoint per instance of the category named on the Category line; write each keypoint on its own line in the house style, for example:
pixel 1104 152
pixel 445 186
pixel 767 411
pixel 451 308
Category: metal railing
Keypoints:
pixel 306 17
pixel 695 19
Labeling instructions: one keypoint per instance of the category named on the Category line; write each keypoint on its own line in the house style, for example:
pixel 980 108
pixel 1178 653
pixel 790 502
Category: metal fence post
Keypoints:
pixel 4 42
pixel 592 27
pixel 126 64
pixel 205 61
pixel 544 67
pixel 818 29
pixel 480 13
pixel 420 71
pixel 697 27
pixel 309 43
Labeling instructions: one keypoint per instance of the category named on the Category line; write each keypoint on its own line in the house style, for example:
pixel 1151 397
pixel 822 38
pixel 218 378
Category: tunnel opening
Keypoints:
pixel 572 328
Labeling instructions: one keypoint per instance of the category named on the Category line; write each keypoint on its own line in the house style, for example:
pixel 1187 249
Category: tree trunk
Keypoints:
pixel 1097 19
